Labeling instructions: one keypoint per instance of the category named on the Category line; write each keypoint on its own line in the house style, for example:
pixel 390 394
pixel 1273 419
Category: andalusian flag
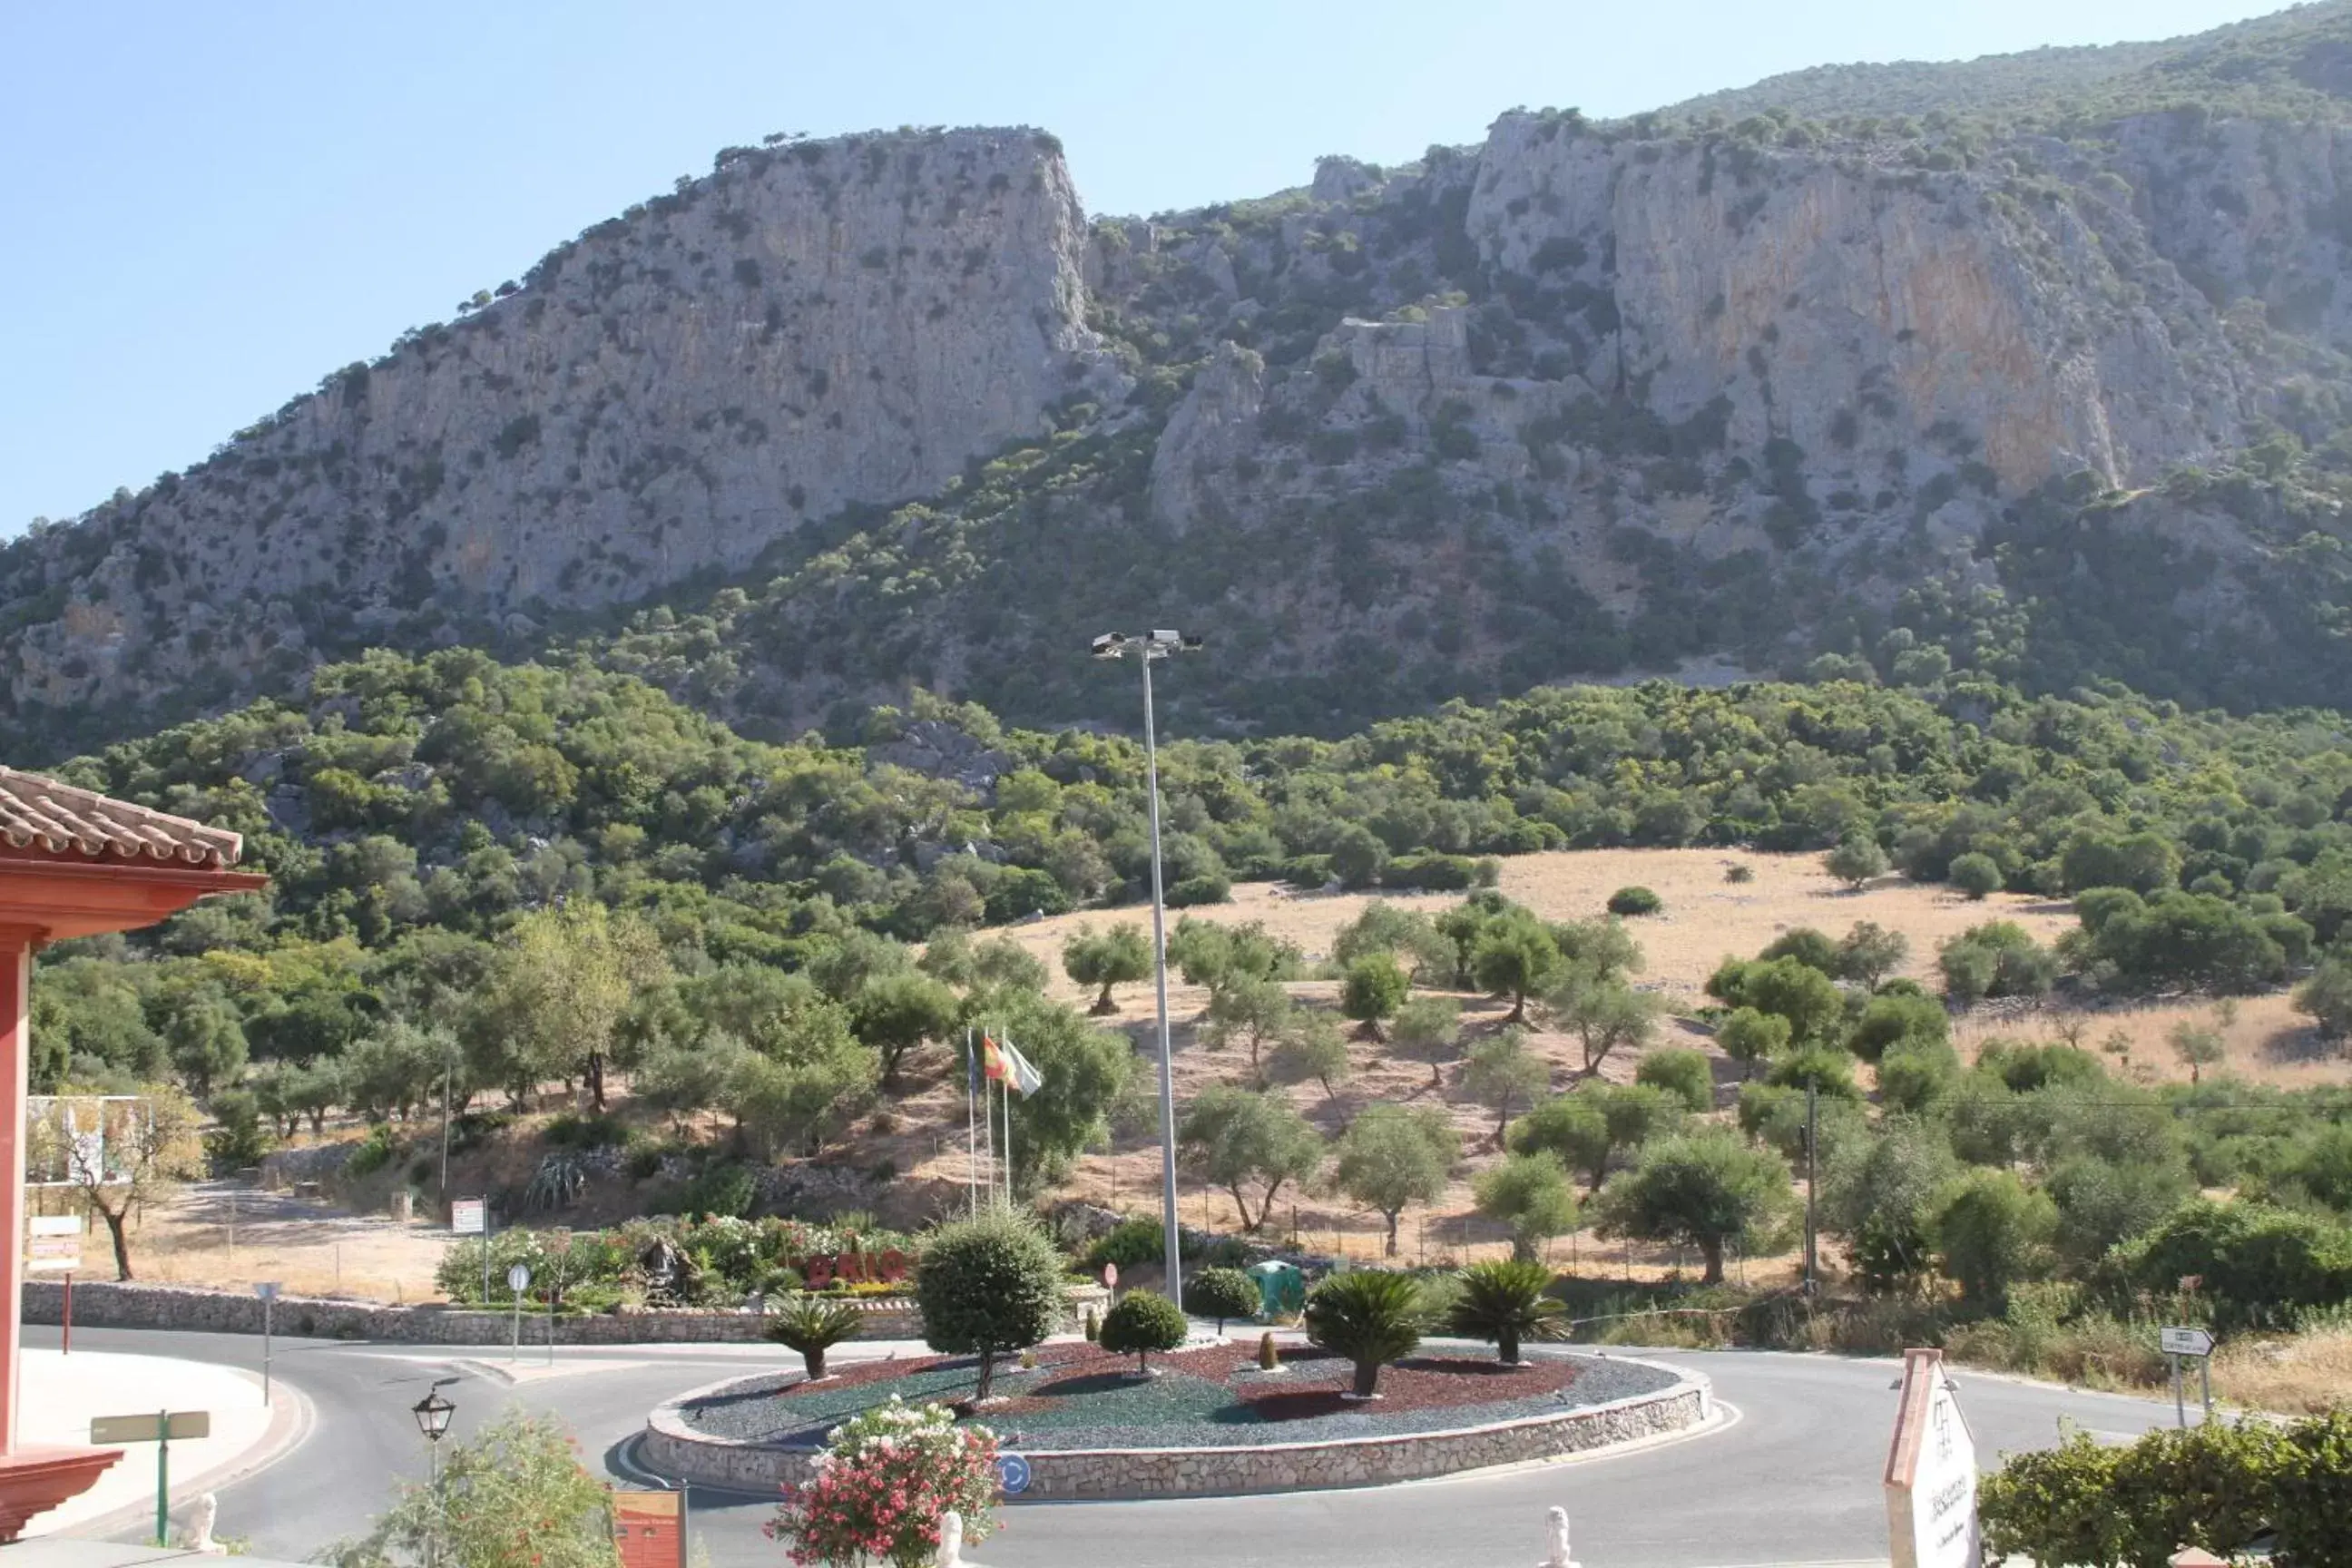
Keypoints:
pixel 1024 1073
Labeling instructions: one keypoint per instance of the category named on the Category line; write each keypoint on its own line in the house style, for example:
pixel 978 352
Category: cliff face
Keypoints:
pixel 814 326
pixel 1578 400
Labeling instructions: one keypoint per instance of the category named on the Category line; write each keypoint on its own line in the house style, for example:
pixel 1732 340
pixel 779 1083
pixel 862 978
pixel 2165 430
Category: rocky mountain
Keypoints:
pixel 815 324
pixel 2020 387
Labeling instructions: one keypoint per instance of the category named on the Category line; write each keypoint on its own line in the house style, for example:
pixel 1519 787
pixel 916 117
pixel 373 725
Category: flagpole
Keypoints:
pixel 1008 1135
pixel 970 1126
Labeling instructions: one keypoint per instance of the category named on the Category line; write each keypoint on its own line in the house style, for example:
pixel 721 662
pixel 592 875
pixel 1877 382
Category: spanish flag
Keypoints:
pixel 1009 1066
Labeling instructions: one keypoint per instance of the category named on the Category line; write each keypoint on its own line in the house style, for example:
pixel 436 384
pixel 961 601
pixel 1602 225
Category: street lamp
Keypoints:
pixel 433 1414
pixel 1146 648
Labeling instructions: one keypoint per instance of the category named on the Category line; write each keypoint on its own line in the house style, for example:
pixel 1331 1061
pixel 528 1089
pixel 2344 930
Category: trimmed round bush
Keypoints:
pixel 1635 902
pixel 987 1287
pixel 1142 1321
pixel 1222 1293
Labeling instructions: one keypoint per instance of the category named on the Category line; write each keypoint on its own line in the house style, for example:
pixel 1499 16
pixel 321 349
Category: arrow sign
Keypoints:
pixel 1013 1473
pixel 2184 1342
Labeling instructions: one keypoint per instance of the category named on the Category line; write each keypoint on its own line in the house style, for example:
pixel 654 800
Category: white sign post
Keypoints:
pixel 518 1282
pixel 1931 1473
pixel 268 1290
pixel 2197 1342
pixel 56 1242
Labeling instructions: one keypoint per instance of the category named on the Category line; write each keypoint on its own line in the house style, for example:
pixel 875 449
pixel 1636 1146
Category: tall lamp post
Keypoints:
pixel 1146 648
pixel 433 1414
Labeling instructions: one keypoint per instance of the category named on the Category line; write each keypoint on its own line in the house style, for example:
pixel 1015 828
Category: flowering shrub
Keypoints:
pixel 885 1478
pixel 730 1258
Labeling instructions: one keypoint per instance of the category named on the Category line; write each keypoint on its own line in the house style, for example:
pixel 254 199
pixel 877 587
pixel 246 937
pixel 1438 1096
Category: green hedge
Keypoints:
pixel 2218 1486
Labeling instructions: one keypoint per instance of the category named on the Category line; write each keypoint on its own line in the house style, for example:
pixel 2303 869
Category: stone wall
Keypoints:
pixel 674 1449
pixel 108 1305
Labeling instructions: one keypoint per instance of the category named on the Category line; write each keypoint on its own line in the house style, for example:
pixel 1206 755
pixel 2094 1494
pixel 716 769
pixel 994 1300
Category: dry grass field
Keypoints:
pixel 922 1133
pixel 217 1234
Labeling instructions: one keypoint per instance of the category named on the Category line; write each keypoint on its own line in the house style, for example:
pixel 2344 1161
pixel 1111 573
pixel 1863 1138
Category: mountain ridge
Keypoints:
pixel 853 416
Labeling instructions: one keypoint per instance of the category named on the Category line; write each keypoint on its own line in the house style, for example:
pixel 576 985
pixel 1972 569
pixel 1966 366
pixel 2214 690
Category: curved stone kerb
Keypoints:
pixel 676 1449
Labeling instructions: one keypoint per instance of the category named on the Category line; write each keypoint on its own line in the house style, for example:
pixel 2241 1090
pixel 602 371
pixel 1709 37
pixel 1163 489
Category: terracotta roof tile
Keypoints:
pixel 41 811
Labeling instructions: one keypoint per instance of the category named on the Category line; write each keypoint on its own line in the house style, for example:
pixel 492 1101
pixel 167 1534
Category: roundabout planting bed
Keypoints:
pixel 1212 1421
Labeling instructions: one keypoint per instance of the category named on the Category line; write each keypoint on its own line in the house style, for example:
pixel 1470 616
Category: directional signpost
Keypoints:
pixel 110 1431
pixel 54 1246
pixel 2196 1343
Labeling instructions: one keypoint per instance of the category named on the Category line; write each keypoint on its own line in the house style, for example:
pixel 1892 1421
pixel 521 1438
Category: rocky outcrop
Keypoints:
pixel 815 325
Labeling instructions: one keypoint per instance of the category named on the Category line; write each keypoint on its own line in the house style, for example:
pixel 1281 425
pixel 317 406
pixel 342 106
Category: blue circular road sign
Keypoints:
pixel 1012 1471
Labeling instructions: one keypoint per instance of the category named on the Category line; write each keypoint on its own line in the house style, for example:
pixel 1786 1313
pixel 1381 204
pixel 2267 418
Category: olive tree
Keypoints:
pixel 1118 956
pixel 1393 1156
pixel 1240 1140
pixel 1706 1189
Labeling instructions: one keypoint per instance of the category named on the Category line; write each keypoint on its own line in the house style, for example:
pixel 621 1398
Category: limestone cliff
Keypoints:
pixel 816 325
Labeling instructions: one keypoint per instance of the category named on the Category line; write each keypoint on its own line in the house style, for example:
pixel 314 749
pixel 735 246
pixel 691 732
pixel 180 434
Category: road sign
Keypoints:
pixel 519 1278
pixel 159 1429
pixel 2184 1342
pixel 1012 1471
pixel 266 1288
pixel 54 1254
pixel 56 1242
pixel 1110 1276
pixel 184 1424
pixel 1931 1473
pixel 469 1217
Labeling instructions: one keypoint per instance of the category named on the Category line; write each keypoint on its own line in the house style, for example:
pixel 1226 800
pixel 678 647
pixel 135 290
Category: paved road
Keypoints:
pixel 1795 1480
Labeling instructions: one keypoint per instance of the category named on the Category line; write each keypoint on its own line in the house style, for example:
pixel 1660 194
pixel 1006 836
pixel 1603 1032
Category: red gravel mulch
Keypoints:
pixel 1310 1386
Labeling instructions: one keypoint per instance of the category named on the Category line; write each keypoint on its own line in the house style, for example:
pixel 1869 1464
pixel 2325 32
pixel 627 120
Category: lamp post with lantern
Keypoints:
pixel 433 1414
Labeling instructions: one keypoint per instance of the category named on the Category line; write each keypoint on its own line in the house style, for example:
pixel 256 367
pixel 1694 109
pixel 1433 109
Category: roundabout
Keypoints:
pixel 1210 1424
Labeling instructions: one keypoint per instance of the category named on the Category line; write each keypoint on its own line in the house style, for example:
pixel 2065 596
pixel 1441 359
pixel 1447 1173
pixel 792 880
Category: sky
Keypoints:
pixel 206 209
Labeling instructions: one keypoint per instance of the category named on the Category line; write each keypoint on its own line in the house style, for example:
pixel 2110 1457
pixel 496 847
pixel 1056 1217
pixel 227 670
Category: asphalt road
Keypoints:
pixel 1794 1479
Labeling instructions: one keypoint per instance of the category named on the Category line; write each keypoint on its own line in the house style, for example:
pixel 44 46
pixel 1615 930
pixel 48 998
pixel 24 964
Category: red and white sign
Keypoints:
pixel 469 1217
pixel 55 1244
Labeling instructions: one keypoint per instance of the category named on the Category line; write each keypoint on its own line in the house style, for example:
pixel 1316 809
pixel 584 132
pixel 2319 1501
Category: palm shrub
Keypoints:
pixel 1370 1317
pixel 812 1326
pixel 988 1286
pixel 1505 1302
pixel 1143 1321
pixel 1222 1293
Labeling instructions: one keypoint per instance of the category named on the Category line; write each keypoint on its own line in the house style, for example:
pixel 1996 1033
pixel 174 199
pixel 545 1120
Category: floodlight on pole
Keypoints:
pixel 1148 646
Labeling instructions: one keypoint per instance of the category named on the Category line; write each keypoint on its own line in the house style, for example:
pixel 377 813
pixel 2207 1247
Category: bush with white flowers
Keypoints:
pixel 880 1489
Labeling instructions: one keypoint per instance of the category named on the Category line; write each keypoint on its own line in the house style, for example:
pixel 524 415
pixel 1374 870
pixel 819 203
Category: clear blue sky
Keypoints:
pixel 209 207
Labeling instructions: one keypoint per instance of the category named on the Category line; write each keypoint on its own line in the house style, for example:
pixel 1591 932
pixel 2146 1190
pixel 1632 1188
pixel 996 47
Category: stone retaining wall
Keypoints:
pixel 106 1304
pixel 674 1449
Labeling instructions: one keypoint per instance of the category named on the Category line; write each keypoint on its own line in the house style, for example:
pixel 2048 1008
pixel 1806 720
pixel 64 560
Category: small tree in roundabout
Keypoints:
pixel 1142 1321
pixel 1222 1293
pixel 1505 1303
pixel 988 1286
pixel 812 1326
pixel 1370 1316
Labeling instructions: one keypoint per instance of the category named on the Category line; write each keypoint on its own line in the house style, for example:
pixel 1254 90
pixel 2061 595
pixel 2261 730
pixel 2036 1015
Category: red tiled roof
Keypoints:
pixel 37 812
